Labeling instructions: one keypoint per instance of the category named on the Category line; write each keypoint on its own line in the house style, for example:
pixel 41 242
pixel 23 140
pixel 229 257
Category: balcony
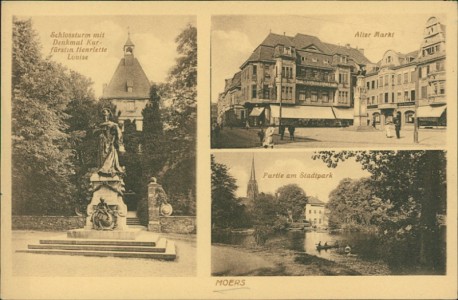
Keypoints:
pixel 316 82
pixel 387 106
pixel 436 76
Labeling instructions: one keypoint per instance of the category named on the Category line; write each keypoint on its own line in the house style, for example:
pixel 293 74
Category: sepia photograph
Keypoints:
pixel 328 81
pixel 329 213
pixel 104 145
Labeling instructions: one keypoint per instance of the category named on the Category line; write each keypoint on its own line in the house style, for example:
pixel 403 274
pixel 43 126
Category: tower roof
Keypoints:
pixel 129 81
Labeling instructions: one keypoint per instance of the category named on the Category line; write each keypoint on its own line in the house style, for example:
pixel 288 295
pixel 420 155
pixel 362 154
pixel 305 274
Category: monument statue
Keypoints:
pixel 110 142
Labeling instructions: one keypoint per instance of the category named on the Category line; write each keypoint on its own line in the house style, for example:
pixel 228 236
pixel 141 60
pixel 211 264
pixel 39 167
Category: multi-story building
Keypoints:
pixel 301 78
pixel 400 81
pixel 431 74
pixel 391 88
pixel 129 88
pixel 315 212
pixel 309 82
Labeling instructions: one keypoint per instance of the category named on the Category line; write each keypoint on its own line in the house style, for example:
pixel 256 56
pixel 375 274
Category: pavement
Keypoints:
pixel 44 265
pixel 333 137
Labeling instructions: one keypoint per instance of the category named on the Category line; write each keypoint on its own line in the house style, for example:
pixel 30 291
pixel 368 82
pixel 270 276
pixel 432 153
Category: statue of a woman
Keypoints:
pixel 110 142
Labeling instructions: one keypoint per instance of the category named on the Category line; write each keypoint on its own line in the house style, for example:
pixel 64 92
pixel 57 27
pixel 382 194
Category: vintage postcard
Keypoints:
pixel 228 150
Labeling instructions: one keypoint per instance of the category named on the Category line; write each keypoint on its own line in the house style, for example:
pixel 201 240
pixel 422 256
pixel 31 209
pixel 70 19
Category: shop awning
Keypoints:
pixel 256 112
pixel 343 113
pixel 430 111
pixel 302 112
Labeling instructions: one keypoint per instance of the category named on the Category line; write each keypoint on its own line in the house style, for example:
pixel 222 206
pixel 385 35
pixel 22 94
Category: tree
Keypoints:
pixel 51 111
pixel 414 183
pixel 224 202
pixel 353 205
pixel 292 200
pixel 41 156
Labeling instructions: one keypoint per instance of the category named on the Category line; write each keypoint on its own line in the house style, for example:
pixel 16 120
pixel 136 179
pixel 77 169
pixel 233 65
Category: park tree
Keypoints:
pixel 291 201
pixel 223 200
pixel 414 184
pixel 45 136
pixel 353 205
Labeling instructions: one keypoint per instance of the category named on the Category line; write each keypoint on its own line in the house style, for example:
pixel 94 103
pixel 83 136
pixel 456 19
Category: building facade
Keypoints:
pixel 128 88
pixel 400 82
pixel 306 81
pixel 315 213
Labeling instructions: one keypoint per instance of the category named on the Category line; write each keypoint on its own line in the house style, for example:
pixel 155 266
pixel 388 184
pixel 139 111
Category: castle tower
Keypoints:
pixel 252 188
pixel 129 87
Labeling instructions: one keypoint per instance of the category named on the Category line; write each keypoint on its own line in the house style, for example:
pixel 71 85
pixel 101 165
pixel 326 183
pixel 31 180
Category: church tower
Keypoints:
pixel 252 188
pixel 129 87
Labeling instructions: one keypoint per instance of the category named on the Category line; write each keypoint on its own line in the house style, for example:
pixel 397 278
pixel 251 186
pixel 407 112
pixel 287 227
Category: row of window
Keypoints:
pixel 287 92
pixel 315 95
pixel 385 97
pixel 343 97
pixel 315 75
pixel 344 78
pixel 314 211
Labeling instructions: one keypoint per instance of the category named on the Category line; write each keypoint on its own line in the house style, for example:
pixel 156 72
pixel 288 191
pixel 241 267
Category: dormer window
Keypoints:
pixel 314 60
pixel 130 85
pixel 343 59
pixel 326 62
pixel 388 59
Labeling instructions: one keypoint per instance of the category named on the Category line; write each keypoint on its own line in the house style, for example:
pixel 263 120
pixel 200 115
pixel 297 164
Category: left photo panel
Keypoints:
pixel 104 126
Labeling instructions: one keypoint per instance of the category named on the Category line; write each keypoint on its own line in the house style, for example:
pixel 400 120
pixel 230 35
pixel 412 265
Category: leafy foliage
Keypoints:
pixel 45 135
pixel 292 200
pixel 224 202
pixel 412 186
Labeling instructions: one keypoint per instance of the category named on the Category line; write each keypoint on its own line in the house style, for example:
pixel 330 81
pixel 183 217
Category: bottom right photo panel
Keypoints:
pixel 328 213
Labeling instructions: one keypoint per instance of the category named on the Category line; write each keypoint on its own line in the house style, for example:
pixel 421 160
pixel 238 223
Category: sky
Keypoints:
pixel 234 38
pixel 239 164
pixel 153 36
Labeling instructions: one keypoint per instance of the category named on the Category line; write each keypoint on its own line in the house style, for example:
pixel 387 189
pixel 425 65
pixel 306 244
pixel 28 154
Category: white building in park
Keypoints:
pixel 315 212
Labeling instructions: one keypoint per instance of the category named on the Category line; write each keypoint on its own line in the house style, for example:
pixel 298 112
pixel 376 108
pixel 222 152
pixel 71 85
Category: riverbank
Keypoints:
pixel 230 260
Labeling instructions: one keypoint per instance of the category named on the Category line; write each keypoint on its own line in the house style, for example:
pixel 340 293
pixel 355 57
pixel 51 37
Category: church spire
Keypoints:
pixel 252 187
pixel 253 174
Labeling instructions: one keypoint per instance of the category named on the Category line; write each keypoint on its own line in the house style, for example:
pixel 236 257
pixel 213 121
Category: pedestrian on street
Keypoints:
pixel 397 126
pixel 261 135
pixel 388 129
pixel 268 139
pixel 247 125
pixel 281 131
pixel 291 130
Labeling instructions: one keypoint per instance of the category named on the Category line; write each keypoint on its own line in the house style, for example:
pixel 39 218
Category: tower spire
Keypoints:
pixel 252 187
pixel 253 174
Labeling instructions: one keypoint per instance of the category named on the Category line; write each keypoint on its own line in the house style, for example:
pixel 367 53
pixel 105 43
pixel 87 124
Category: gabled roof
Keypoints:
pixel 274 39
pixel 353 53
pixel 302 41
pixel 129 72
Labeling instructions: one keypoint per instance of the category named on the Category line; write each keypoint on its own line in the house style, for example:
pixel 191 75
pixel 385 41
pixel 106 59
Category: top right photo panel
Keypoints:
pixel 328 81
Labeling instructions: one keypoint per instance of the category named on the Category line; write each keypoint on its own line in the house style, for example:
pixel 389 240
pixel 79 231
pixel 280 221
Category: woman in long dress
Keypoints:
pixel 268 139
pixel 110 142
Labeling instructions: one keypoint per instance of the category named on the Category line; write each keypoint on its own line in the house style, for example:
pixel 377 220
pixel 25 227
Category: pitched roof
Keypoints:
pixel 274 39
pixel 129 72
pixel 302 41
pixel 265 51
pixel 314 201
pixel 353 53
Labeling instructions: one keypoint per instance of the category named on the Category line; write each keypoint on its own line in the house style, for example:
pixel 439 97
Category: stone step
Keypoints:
pixel 98 248
pixel 168 251
pixel 125 243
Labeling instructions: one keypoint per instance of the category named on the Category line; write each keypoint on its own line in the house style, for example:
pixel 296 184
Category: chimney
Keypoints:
pixel 347 46
pixel 361 50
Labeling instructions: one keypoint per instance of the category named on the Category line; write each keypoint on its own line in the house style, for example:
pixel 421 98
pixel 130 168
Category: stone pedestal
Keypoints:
pixel 154 191
pixel 111 190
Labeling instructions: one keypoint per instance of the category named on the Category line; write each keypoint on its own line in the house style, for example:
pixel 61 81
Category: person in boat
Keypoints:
pixel 325 244
pixel 319 244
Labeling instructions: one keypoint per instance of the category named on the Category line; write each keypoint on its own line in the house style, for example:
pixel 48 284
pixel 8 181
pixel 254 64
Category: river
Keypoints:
pixel 362 245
